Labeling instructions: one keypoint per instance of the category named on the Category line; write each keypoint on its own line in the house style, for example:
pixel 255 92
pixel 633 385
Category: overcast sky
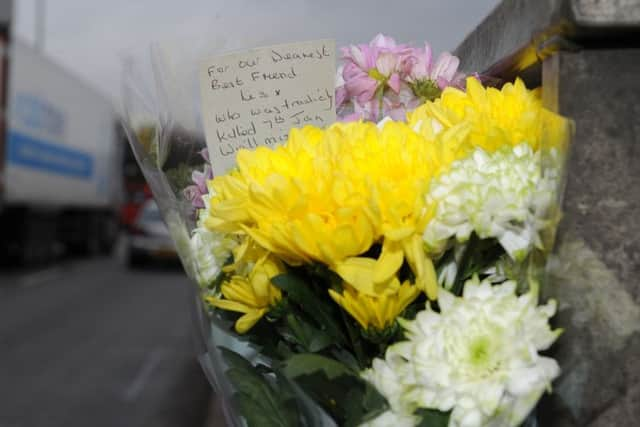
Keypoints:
pixel 91 38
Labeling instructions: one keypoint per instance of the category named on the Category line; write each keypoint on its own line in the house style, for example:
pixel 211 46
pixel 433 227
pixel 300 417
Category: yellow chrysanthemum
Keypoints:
pixel 376 312
pixel 329 195
pixel 283 199
pixel 371 276
pixel 245 255
pixel 253 294
pixel 492 117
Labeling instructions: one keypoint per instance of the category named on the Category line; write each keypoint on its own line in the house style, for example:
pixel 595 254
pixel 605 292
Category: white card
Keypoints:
pixel 253 98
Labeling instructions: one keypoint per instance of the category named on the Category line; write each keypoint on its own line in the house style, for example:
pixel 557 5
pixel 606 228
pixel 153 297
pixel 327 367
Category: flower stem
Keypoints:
pixel 355 341
pixel 380 101
pixel 456 289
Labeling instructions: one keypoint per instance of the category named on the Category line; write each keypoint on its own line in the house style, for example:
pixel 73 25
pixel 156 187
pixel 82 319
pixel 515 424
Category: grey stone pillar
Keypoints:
pixel 586 55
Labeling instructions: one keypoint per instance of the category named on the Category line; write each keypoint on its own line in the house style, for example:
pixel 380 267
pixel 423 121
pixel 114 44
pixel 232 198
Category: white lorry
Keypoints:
pixel 60 160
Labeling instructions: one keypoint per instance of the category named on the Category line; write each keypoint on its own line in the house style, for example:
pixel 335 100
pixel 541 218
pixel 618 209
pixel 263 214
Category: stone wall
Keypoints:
pixel 597 263
pixel 585 54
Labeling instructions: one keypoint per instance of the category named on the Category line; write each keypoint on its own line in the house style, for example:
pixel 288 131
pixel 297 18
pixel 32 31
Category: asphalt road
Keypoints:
pixel 90 343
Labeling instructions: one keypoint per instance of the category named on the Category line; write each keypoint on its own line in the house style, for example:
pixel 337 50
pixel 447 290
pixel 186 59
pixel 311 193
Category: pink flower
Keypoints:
pixel 372 67
pixel 192 193
pixel 387 66
pixel 341 96
pixel 397 105
pixel 443 71
pixel 358 84
pixel 392 104
pixel 382 78
pixel 428 78
pixel 200 179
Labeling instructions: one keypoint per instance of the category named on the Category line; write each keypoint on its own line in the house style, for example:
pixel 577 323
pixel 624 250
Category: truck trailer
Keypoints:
pixel 60 160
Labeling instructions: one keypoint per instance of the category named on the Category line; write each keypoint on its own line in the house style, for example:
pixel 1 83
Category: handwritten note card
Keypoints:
pixel 255 97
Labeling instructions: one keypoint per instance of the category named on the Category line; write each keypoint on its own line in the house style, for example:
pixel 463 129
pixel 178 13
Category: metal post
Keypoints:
pixel 6 16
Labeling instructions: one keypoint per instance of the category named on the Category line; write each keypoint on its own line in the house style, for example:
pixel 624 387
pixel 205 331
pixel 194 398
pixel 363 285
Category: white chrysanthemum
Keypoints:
pixel 210 249
pixel 478 357
pixel 501 195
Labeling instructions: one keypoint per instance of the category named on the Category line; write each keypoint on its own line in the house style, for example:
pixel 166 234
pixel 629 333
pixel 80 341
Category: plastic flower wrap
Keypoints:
pixel 380 273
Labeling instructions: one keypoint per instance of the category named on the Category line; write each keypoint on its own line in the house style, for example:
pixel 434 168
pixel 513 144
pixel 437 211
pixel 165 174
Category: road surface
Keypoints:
pixel 90 343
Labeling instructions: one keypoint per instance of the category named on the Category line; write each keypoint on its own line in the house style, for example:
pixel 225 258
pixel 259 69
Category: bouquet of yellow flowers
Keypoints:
pixel 383 273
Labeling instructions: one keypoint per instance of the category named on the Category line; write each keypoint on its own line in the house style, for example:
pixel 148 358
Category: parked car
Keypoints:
pixel 148 236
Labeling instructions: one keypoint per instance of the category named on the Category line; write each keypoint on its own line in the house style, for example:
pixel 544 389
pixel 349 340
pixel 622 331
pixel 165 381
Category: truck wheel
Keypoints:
pixel 135 259
pixel 80 232
pixel 109 234
pixel 93 243
pixel 37 242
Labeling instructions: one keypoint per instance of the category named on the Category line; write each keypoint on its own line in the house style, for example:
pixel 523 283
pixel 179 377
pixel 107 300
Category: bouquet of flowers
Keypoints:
pixel 384 270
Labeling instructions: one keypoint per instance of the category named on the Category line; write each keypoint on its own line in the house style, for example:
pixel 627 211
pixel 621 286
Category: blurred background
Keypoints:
pixel 95 324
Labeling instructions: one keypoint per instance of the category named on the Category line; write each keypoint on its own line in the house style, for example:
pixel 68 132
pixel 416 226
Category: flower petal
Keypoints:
pixel 389 262
pixel 428 58
pixel 362 88
pixel 341 96
pixel 386 63
pixel 358 57
pixel 394 82
pixel 445 66
pixel 358 272
pixel 246 322
pixel 383 41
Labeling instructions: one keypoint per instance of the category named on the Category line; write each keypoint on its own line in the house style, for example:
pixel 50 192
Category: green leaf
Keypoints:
pixel 337 388
pixel 477 255
pixel 353 408
pixel 251 383
pixel 263 339
pixel 355 339
pixel 256 387
pixel 346 358
pixel 433 418
pixel 319 342
pixel 370 404
pixel 262 402
pixel 307 364
pixel 283 350
pixel 309 338
pixel 372 399
pixel 301 333
pixel 257 415
pixel 317 307
pixel 234 360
